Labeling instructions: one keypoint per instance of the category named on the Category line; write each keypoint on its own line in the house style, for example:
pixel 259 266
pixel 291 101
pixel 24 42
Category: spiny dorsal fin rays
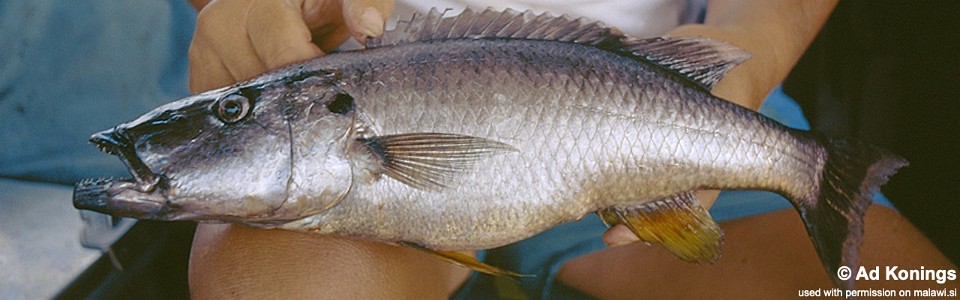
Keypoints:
pixel 430 161
pixel 701 60
pixel 493 24
pixel 678 222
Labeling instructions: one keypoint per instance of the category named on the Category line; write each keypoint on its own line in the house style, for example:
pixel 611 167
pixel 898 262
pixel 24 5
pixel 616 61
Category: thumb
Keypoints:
pixel 619 235
pixel 366 18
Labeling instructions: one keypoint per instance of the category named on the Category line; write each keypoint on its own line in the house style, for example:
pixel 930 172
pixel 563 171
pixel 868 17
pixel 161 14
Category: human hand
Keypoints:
pixel 239 39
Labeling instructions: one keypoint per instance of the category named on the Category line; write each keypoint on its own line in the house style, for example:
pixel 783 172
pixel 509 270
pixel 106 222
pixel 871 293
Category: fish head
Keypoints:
pixel 226 155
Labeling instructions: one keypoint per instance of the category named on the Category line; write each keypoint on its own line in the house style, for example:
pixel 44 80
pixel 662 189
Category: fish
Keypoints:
pixel 480 129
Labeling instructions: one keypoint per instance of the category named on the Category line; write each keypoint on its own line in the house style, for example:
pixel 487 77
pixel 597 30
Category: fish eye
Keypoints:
pixel 232 108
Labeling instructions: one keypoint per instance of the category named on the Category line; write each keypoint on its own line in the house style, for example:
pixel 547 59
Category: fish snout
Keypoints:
pixel 111 141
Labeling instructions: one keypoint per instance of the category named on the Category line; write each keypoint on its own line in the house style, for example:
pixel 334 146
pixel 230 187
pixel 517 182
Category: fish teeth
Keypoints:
pixel 100 147
pixel 95 181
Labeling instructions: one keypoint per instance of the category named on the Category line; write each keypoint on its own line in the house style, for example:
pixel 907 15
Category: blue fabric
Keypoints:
pixel 72 68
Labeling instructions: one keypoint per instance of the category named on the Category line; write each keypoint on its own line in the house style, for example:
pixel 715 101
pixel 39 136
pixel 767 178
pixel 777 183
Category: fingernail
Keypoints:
pixel 371 22
pixel 620 239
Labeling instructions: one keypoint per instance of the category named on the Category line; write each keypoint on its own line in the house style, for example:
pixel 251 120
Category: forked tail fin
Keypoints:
pixel 852 174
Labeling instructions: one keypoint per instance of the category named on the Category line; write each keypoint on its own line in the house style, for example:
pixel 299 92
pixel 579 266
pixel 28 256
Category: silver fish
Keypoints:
pixel 481 129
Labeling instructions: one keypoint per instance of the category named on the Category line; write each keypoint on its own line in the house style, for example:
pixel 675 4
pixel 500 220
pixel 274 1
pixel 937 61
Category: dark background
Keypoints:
pixel 881 71
pixel 887 72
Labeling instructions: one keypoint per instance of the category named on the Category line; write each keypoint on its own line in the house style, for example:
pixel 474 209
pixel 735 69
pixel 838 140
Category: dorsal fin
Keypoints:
pixel 702 60
pixel 494 24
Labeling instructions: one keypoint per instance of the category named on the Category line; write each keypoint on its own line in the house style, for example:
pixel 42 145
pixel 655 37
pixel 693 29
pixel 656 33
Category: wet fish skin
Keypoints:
pixel 616 133
pixel 459 137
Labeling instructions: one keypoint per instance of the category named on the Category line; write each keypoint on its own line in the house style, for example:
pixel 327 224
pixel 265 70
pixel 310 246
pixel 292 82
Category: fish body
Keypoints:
pixel 591 130
pixel 478 130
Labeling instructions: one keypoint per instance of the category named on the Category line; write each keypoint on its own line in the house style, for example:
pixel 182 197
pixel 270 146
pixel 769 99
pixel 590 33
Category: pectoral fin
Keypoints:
pixel 464 260
pixel 430 161
pixel 679 222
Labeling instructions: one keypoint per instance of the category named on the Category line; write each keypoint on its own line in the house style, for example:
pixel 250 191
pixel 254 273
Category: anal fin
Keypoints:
pixel 464 260
pixel 678 222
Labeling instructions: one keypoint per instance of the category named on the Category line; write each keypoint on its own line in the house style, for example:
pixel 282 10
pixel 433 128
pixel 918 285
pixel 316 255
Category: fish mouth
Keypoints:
pixel 138 197
pixel 115 142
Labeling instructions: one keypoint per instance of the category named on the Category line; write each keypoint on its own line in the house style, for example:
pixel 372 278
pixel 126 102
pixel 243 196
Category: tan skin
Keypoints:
pixel 768 253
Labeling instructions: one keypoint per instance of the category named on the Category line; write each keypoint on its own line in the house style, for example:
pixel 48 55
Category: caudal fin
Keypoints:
pixel 851 176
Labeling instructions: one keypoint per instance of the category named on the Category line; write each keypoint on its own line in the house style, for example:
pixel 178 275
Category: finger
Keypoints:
pixel 324 18
pixel 366 18
pixel 278 34
pixel 206 70
pixel 330 38
pixel 221 27
pixel 707 197
pixel 199 4
pixel 619 235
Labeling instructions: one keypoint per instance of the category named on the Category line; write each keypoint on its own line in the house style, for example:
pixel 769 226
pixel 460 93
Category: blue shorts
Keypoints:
pixel 543 255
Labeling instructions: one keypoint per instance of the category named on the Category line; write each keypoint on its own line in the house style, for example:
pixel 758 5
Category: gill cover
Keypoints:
pixel 321 120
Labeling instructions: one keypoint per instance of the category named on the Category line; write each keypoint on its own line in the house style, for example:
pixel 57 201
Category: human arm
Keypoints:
pixel 767 256
pixel 775 33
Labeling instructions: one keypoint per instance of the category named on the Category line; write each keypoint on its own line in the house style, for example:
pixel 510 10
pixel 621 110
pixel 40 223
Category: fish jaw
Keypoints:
pixel 115 142
pixel 137 197
pixel 119 197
